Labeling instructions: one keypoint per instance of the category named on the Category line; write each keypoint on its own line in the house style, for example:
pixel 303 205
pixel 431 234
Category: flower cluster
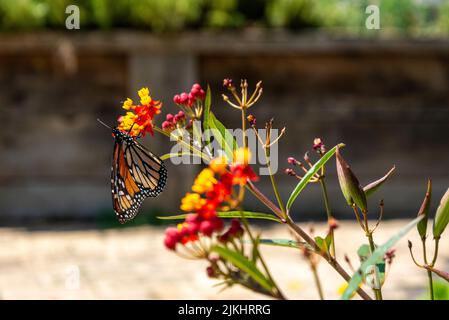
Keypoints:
pixel 191 103
pixel 174 121
pixel 139 118
pixel 212 191
pixel 188 99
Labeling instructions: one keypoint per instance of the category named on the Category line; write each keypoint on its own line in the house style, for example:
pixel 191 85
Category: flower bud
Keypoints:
pixel 227 83
pixel 169 117
pixel 349 184
pixel 252 120
pixel 183 98
pixel 207 227
pixel 211 272
pixel 292 161
pixel 290 172
pixel 177 99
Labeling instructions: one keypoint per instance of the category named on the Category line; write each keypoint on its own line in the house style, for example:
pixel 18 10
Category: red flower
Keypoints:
pixel 242 173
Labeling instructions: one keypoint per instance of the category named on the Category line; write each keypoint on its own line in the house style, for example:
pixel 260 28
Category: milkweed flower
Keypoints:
pixel 212 191
pixel 191 103
pixel 240 169
pixel 139 118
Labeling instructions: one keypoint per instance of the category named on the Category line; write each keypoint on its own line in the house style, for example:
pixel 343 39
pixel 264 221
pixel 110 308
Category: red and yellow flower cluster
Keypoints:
pixel 139 118
pixel 212 191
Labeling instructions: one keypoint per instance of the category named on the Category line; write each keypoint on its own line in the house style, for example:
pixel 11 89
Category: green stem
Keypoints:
pixel 273 181
pixel 435 254
pixel 328 212
pixel 429 273
pixel 278 292
pixel 245 142
pixel 332 262
pixel 377 291
pixel 429 277
pixel 204 156
pixel 317 282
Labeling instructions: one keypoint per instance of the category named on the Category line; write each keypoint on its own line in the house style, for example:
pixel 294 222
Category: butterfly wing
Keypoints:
pixel 136 173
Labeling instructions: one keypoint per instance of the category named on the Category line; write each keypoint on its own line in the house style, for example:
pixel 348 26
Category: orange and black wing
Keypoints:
pixel 136 174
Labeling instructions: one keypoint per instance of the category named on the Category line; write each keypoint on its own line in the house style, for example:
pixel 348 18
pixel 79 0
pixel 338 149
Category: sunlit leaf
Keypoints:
pixel 206 113
pixel 375 185
pixel 305 180
pixel 379 253
pixel 230 214
pixel 247 266
pixel 223 136
pixel 176 155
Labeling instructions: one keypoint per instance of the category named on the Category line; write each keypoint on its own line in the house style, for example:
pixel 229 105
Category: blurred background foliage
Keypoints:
pixel 402 17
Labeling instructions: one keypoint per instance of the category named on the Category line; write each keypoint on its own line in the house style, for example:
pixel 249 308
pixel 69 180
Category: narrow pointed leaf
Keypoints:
pixel 176 155
pixel 442 216
pixel 245 265
pixel 374 186
pixel 305 180
pixel 230 214
pixel 424 211
pixel 378 254
pixel 206 112
pixel 286 243
pixel 224 138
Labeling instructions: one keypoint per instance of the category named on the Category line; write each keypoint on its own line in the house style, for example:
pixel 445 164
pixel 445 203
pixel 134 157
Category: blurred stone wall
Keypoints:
pixel 386 100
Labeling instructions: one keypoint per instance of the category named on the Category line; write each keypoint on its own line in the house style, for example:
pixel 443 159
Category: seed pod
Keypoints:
pixel 424 211
pixel 442 216
pixel 349 184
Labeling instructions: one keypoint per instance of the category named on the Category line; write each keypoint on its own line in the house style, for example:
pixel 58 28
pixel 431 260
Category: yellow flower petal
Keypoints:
pixel 143 92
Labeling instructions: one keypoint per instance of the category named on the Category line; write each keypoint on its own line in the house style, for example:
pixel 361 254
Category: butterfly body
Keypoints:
pixel 136 173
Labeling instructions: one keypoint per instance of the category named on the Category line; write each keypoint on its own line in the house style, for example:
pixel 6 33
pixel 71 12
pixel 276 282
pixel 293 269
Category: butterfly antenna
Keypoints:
pixel 104 124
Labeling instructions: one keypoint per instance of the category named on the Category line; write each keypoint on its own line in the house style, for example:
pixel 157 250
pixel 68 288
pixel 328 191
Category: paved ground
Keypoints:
pixel 133 264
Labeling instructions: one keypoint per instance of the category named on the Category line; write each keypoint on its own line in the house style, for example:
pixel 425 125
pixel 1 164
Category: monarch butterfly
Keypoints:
pixel 136 173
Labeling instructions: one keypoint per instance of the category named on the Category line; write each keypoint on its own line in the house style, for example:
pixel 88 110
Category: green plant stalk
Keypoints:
pixel 317 282
pixel 429 273
pixel 332 262
pixel 377 291
pixel 204 156
pixel 273 181
pixel 245 142
pixel 328 212
pixel 301 233
pixel 278 292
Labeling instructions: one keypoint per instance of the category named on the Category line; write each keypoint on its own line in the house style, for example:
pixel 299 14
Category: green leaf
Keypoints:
pixel 324 243
pixel 424 211
pixel 224 138
pixel 206 112
pixel 364 252
pixel 247 266
pixel 374 186
pixel 286 243
pixel 379 253
pixel 442 216
pixel 230 214
pixel 175 155
pixel 305 180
